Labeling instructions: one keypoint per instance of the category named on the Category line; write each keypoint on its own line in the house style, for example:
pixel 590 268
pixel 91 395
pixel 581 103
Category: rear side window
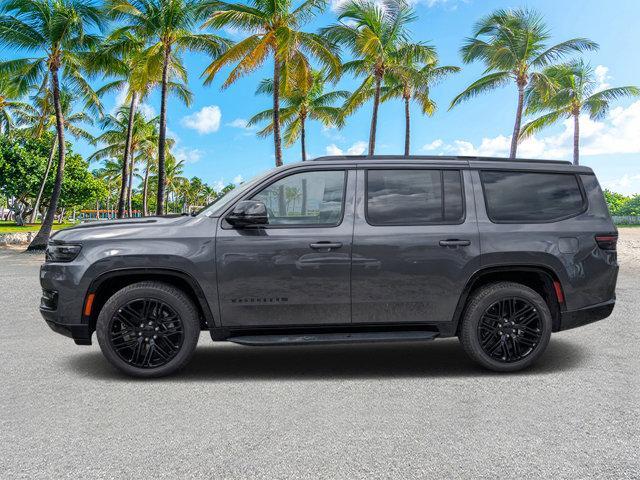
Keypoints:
pixel 414 197
pixel 531 197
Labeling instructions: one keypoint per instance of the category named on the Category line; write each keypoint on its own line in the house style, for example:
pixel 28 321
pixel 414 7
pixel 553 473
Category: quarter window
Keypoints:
pixel 305 198
pixel 531 196
pixel 414 197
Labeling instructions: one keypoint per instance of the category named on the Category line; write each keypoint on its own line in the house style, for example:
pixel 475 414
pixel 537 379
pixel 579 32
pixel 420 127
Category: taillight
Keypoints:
pixel 607 241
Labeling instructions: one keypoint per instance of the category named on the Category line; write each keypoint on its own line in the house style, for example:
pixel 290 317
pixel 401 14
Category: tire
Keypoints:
pixel 496 338
pixel 148 329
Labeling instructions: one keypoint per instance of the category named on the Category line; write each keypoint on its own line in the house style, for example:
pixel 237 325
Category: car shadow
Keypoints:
pixel 442 358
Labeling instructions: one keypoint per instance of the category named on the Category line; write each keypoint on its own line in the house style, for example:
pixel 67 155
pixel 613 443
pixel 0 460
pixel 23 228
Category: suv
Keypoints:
pixel 343 250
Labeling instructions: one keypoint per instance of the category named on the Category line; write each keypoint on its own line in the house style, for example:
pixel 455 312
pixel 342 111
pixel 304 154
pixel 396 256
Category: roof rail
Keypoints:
pixel 435 157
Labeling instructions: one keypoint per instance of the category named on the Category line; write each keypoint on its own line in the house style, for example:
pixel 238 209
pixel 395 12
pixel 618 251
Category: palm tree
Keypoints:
pixel 118 137
pixel 412 79
pixel 167 27
pixel 148 155
pixel 42 118
pixel 373 33
pixel 11 108
pixel 138 70
pixel 570 91
pixel 273 29
pixel 512 45
pixel 59 30
pixel 302 103
pixel 111 174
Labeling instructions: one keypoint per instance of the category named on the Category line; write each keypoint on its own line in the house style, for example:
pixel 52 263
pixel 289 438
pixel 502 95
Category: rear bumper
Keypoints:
pixel 584 316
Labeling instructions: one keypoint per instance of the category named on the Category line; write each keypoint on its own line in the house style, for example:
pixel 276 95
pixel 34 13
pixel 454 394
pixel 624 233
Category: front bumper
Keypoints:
pixel 587 315
pixel 61 302
pixel 80 333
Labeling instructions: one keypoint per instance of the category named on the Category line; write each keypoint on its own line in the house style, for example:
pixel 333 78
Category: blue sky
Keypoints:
pixel 215 145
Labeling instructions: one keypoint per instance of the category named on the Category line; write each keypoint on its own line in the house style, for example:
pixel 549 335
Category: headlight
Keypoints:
pixel 62 252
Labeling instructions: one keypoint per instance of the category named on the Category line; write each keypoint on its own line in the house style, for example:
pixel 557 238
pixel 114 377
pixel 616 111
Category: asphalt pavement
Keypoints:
pixel 360 411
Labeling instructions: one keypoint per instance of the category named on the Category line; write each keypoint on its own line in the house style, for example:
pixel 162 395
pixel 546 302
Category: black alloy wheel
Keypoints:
pixel 148 329
pixel 146 333
pixel 506 326
pixel 510 329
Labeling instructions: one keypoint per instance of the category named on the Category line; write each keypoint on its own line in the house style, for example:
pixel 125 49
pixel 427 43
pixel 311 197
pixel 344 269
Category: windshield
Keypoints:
pixel 220 203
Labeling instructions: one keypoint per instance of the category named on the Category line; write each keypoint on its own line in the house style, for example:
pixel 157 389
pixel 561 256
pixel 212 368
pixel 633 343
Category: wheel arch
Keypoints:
pixel 538 277
pixel 105 285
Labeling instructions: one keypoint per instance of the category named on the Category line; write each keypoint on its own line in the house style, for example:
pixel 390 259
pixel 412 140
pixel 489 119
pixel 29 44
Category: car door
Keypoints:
pixel 295 270
pixel 415 243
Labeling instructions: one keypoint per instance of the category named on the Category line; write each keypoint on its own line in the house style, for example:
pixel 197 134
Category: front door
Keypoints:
pixel 297 269
pixel 415 244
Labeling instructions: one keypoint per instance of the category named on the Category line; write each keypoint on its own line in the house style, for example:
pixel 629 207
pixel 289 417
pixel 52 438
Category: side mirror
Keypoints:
pixel 247 213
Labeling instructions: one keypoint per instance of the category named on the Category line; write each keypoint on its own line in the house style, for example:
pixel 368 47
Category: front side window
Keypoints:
pixel 305 198
pixel 414 197
pixel 531 196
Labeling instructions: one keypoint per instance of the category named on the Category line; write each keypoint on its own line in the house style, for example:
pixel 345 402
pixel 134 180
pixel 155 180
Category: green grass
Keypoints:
pixel 633 225
pixel 11 227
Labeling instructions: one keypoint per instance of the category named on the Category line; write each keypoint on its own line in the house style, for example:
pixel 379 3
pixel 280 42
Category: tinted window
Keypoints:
pixel 413 197
pixel 306 198
pixel 531 197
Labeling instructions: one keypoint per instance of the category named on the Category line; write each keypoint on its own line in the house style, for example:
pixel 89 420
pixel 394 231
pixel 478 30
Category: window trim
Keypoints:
pixel 576 176
pixel 271 181
pixel 460 221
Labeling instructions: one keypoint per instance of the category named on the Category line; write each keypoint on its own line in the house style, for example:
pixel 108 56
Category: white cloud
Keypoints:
pixel 358 148
pixel 451 4
pixel 627 184
pixel 188 155
pixel 207 120
pixel 237 123
pixel 616 134
pixel 602 77
pixel 436 144
pixel 237 180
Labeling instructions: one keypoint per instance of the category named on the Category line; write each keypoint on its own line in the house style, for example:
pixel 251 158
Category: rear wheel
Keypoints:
pixel 506 326
pixel 148 329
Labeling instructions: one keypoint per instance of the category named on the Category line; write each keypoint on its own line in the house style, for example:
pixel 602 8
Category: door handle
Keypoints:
pixel 455 243
pixel 325 245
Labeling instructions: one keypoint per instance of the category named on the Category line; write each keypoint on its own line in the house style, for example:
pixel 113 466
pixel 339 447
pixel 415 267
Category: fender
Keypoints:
pixel 161 272
pixel 544 270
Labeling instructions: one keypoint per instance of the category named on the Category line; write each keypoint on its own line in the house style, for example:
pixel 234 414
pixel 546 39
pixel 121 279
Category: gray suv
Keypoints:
pixel 345 250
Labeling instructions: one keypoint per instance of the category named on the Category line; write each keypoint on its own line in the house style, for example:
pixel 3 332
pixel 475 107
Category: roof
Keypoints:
pixel 438 158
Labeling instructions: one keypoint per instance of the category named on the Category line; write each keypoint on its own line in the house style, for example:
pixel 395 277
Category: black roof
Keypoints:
pixel 440 158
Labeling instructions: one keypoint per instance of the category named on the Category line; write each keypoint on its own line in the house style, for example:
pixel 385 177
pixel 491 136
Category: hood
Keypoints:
pixel 103 229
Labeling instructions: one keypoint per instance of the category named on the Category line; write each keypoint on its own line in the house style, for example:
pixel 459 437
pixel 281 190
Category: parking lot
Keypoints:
pixel 398 410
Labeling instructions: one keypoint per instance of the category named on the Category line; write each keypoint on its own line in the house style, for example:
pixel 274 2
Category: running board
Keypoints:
pixel 333 338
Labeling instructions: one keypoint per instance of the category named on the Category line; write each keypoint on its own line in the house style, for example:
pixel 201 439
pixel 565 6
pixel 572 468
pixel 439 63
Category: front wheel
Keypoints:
pixel 506 326
pixel 148 329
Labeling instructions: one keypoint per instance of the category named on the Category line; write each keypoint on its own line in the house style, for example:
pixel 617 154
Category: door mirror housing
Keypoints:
pixel 248 213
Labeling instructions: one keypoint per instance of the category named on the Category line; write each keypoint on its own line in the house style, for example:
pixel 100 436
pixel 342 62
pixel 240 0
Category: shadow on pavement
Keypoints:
pixel 442 358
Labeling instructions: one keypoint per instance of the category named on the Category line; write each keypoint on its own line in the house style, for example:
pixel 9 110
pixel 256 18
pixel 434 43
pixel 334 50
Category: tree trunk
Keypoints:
pixel 163 133
pixel 576 138
pixel 127 154
pixel 374 117
pixel 303 138
pixel 276 111
pixel 407 127
pixel 145 189
pixel 36 206
pixel 42 237
pixel 130 186
pixel 516 127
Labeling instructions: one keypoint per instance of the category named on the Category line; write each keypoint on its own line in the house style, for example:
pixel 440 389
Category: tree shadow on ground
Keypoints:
pixel 441 358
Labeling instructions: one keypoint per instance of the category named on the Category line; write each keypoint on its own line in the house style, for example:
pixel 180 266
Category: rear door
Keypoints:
pixel 297 269
pixel 415 243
